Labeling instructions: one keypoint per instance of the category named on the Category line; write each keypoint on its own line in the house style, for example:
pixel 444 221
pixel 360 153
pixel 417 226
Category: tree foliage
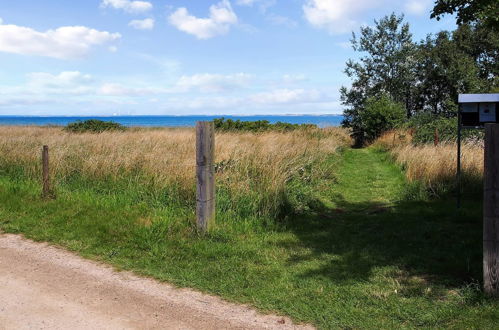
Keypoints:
pixel 386 68
pixel 424 77
pixel 468 11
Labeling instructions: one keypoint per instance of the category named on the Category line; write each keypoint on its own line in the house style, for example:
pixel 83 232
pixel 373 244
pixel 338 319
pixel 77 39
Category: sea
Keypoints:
pixel 171 121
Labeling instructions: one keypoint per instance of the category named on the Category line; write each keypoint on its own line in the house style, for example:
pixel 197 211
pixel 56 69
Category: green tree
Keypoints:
pixel 468 11
pixel 443 71
pixel 449 63
pixel 386 67
pixel 380 115
pixel 482 45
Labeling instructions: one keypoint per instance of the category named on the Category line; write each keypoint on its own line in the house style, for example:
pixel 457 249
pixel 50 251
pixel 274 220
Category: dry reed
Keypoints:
pixel 246 162
pixel 435 166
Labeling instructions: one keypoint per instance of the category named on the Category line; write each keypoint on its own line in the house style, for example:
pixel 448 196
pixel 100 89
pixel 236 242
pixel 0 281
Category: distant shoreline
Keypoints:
pixel 167 121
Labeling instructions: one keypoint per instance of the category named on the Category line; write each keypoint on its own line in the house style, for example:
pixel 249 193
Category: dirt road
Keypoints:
pixel 43 287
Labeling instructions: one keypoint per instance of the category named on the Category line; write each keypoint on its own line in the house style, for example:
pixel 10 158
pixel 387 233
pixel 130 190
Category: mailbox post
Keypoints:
pixel 478 111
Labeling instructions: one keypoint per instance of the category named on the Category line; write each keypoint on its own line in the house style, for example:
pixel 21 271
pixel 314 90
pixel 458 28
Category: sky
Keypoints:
pixel 185 57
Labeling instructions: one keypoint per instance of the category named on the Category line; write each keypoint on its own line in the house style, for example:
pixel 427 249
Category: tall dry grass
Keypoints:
pixel 249 165
pixel 434 166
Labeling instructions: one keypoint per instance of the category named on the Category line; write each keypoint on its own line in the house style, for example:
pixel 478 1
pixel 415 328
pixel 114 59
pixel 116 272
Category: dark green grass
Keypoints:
pixel 360 256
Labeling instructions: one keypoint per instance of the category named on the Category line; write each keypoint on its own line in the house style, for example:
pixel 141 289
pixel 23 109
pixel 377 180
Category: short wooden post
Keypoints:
pixel 491 211
pixel 205 172
pixel 47 190
pixel 436 138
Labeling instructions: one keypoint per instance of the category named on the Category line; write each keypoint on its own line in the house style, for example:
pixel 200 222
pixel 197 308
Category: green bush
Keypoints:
pixel 425 125
pixel 223 124
pixel 380 115
pixel 94 126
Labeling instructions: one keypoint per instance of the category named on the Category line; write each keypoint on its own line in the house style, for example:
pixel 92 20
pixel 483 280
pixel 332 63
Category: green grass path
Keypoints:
pixel 365 176
pixel 362 258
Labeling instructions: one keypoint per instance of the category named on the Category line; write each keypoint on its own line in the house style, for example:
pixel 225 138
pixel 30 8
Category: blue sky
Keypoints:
pixel 180 57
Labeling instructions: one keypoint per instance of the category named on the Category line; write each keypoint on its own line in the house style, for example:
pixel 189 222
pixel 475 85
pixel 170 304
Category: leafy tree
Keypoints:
pixel 387 67
pixel 482 45
pixel 380 115
pixel 468 11
pixel 425 77
pixel 464 61
pixel 443 71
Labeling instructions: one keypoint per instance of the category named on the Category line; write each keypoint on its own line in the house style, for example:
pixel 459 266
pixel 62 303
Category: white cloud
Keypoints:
pixel 167 65
pixel 238 93
pixel 64 43
pixel 204 83
pixel 263 5
pixel 110 89
pixel 246 2
pixel 293 78
pixel 273 101
pixel 343 16
pixel 221 18
pixel 23 101
pixel 281 20
pixel 418 7
pixel 145 24
pixel 336 16
pixel 214 83
pixel 1 21
pixel 128 6
pixel 64 79
pixel 67 82
pixel 287 96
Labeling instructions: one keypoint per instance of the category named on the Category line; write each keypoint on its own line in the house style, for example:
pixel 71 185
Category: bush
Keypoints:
pixel 94 126
pixel 425 125
pixel 381 114
pixel 223 124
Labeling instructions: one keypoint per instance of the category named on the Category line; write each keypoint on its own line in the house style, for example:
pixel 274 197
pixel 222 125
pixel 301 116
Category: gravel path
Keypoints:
pixel 44 287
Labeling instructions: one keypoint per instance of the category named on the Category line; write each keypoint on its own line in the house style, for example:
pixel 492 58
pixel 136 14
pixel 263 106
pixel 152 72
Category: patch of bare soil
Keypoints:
pixel 44 287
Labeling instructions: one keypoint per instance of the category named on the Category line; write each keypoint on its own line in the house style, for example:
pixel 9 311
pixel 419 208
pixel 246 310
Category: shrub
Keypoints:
pixel 222 124
pixel 381 114
pixel 424 126
pixel 94 126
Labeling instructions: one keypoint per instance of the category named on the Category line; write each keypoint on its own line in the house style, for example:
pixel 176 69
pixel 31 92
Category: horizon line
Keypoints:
pixel 117 116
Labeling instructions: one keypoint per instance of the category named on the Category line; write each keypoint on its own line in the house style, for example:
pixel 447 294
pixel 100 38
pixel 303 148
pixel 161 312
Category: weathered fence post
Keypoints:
pixel 47 190
pixel 491 211
pixel 205 172
pixel 436 138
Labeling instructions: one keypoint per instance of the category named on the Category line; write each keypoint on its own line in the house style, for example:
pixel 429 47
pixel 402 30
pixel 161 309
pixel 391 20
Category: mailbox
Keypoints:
pixel 477 109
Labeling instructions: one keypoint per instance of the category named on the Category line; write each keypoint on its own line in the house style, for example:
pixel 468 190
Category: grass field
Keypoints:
pixel 435 166
pixel 157 165
pixel 349 251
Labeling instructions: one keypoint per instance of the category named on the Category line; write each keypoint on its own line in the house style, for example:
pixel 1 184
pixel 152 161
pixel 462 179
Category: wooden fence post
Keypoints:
pixel 491 211
pixel 436 138
pixel 205 172
pixel 47 190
